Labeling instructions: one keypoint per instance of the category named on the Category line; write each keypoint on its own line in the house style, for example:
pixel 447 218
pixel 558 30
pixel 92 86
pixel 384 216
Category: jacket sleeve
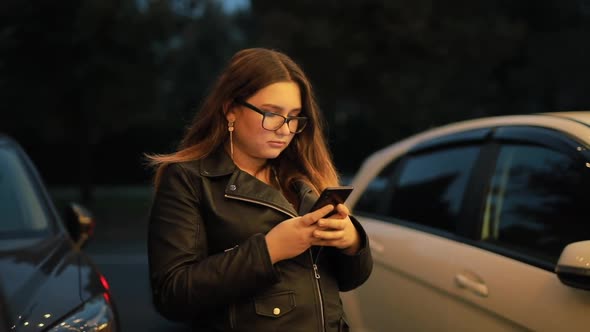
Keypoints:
pixel 354 270
pixel 187 282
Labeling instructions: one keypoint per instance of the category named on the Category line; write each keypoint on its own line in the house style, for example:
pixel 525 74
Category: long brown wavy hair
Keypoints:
pixel 307 158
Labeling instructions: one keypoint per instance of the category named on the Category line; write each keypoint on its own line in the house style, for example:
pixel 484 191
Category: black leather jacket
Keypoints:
pixel 209 263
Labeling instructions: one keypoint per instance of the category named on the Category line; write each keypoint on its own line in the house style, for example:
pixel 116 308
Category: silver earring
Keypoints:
pixel 230 128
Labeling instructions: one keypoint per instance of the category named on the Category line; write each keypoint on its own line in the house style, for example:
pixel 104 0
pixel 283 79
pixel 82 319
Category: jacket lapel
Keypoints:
pixel 306 196
pixel 243 186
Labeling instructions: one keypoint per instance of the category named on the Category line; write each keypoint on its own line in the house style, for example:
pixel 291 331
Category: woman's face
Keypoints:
pixel 254 144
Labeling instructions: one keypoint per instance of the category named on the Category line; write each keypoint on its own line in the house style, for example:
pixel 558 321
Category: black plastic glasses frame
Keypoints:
pixel 302 120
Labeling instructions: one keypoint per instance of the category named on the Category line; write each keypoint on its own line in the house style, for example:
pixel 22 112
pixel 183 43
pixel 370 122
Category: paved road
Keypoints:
pixel 118 247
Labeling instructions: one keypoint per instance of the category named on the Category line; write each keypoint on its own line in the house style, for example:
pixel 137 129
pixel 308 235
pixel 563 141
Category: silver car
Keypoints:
pixel 478 225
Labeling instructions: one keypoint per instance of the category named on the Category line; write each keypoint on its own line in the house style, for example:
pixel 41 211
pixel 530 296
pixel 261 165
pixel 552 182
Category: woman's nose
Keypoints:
pixel 284 129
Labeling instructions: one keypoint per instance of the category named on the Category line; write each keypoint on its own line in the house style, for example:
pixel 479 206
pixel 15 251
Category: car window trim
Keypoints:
pixel 473 204
pixel 552 138
pixel 514 254
pixel 455 139
pixel 415 226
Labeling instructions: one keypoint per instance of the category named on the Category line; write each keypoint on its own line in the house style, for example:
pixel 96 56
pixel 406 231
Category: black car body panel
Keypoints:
pixel 43 281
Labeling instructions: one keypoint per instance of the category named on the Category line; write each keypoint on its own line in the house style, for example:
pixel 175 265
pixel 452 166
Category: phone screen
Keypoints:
pixel 332 195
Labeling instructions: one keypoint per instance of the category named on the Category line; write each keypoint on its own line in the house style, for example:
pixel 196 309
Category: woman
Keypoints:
pixel 232 246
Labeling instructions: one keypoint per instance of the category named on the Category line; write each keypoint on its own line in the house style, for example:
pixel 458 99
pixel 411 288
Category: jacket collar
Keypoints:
pixel 217 163
pixel 306 197
pixel 243 186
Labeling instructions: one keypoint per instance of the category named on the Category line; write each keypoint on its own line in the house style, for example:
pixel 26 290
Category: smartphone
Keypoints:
pixel 332 195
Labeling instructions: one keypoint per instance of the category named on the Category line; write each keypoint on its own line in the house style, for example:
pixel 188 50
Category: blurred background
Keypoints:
pixel 87 87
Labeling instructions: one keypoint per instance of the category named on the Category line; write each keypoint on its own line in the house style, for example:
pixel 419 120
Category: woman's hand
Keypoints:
pixel 293 236
pixel 338 231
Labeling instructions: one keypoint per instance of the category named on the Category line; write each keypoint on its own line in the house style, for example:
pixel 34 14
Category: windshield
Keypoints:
pixel 21 207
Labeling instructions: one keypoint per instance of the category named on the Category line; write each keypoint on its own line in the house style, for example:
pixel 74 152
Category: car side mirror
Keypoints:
pixel 80 224
pixel 573 266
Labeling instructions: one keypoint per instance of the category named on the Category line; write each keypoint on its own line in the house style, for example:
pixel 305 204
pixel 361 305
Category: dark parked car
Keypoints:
pixel 47 282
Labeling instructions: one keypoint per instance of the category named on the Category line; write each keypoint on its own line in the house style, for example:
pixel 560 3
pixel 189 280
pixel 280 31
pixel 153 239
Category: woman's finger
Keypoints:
pixel 312 217
pixel 328 235
pixel 342 209
pixel 336 224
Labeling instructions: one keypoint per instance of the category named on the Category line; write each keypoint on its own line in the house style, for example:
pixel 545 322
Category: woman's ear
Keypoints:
pixel 229 112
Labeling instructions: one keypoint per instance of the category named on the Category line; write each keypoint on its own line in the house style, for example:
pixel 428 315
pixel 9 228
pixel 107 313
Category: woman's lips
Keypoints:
pixel 277 144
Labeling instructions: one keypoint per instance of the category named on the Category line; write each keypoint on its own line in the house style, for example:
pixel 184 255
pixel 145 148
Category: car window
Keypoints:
pixel 372 201
pixel 431 186
pixel 536 202
pixel 426 189
pixel 21 208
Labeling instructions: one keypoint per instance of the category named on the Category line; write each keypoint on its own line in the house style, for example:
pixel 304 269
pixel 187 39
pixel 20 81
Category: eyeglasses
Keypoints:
pixel 273 121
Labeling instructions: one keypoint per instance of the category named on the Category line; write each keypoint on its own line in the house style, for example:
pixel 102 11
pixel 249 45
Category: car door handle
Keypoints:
pixel 473 282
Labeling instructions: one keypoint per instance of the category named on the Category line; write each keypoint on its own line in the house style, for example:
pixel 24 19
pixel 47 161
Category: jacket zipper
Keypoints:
pixel 317 285
pixel 313 262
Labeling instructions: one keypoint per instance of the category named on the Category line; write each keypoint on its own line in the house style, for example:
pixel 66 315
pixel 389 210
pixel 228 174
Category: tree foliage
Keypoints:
pixel 388 69
pixel 79 76
pixel 88 86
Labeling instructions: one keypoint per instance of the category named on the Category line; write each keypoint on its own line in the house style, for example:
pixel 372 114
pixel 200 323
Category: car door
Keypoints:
pixel 534 205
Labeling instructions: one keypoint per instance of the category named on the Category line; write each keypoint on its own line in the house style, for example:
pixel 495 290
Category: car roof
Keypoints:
pixel 580 116
pixel 576 124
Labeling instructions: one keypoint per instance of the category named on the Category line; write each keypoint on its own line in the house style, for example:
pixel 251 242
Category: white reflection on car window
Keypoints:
pixel 20 206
